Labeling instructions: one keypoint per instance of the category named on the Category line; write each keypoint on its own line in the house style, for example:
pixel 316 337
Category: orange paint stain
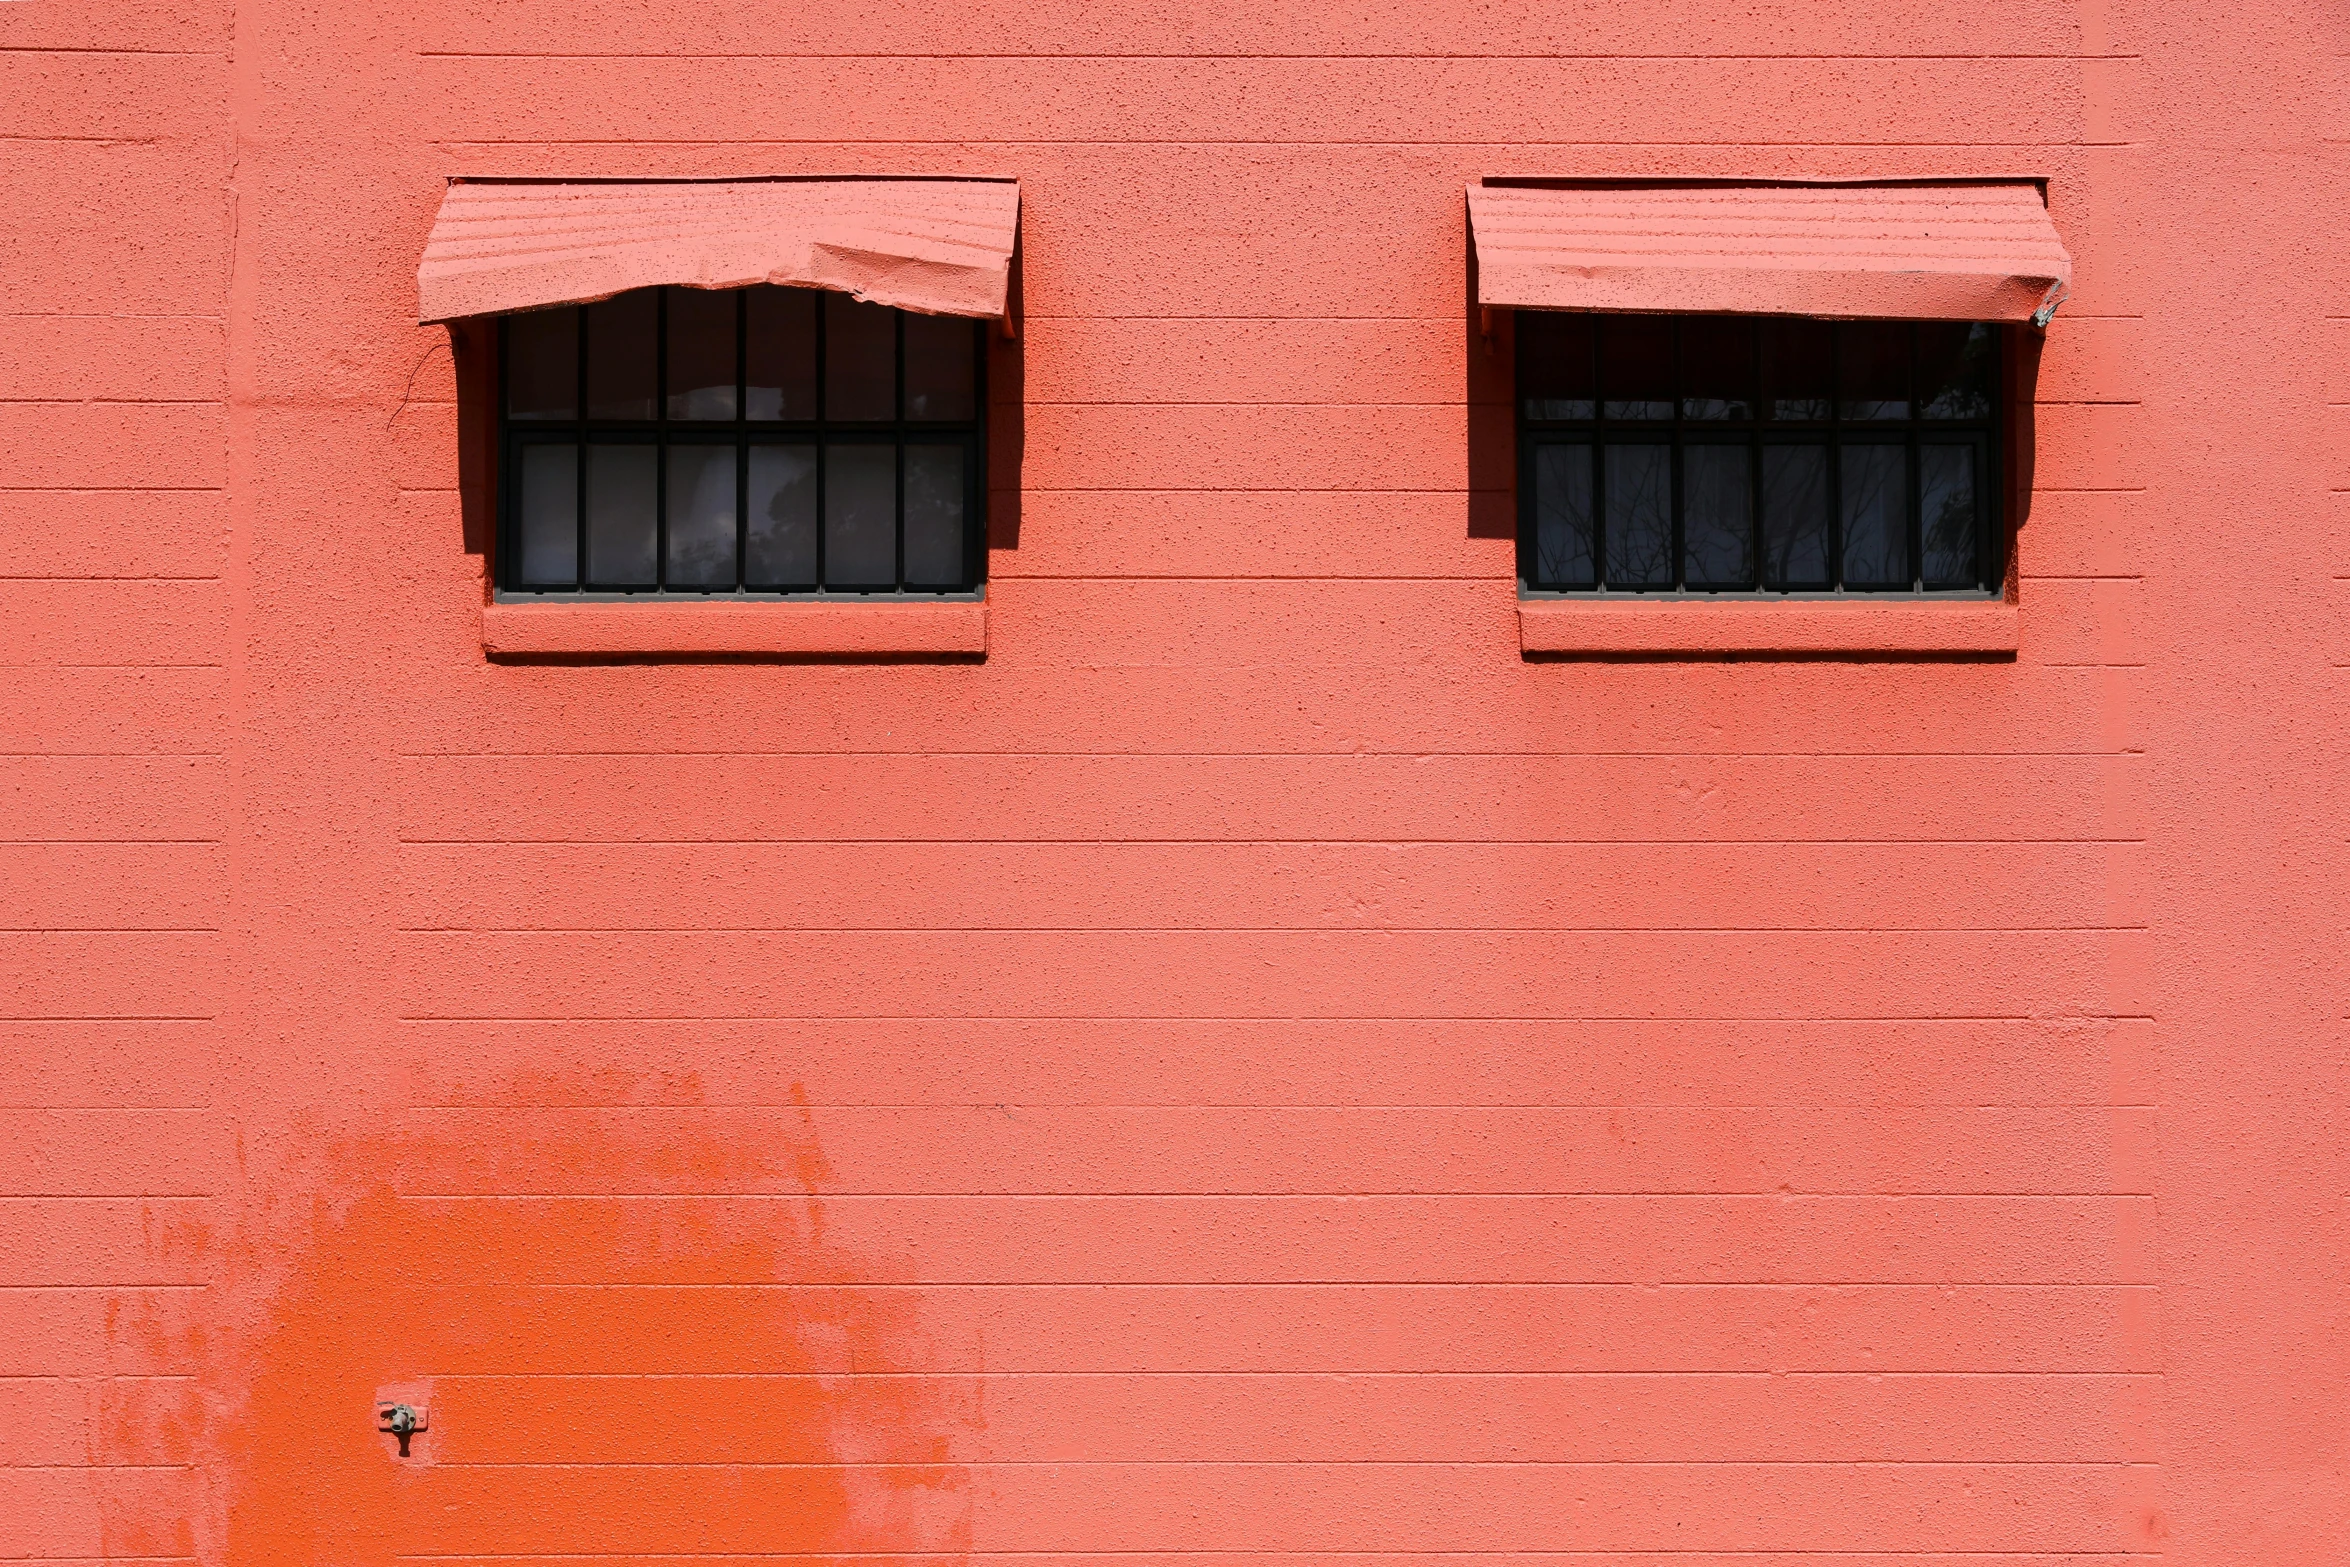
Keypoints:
pixel 656 1355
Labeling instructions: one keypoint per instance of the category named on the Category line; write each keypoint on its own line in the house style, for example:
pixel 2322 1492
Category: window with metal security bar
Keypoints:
pixel 755 442
pixel 1710 456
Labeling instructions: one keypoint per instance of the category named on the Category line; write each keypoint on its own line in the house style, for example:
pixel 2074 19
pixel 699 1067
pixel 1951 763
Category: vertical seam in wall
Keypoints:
pixel 233 1024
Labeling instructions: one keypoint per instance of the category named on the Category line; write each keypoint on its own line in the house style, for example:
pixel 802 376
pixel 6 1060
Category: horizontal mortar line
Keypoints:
pixel 120 402
pixel 112 489
pixel 95 1468
pixel 1024 1106
pixel 1542 1553
pixel 1388 928
pixel 1243 59
pixel 112 930
pixel 1414 756
pixel 109 1197
pixel 835 1194
pixel 868 1286
pixel 98 1376
pixel 1129 1018
pixel 1098 841
pixel 108 1017
pixel 22 1196
pixel 1235 1376
pixel 42 843
pixel 876 1287
pixel 26 1289
pixel 1499 407
pixel 1275 1463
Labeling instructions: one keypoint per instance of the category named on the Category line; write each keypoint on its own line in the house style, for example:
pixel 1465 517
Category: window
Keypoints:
pixel 763 441
pixel 1716 455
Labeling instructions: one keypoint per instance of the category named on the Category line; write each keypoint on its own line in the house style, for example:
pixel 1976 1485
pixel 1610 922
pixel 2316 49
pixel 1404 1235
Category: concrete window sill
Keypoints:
pixel 1978 628
pixel 777 630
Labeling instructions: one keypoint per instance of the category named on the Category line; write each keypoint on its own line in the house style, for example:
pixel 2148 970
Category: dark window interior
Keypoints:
pixel 755 441
pixel 1711 455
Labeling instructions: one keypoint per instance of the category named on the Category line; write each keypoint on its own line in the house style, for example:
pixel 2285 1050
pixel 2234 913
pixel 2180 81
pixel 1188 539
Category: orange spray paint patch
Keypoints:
pixel 622 1333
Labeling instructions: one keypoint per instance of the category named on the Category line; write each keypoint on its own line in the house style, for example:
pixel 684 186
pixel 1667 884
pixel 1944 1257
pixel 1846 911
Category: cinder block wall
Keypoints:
pixel 1255 1067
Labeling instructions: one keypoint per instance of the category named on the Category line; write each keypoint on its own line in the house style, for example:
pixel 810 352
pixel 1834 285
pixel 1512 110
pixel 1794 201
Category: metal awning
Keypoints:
pixel 942 246
pixel 1956 251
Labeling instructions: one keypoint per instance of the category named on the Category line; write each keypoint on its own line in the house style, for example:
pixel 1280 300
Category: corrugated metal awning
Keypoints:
pixel 1962 251
pixel 943 247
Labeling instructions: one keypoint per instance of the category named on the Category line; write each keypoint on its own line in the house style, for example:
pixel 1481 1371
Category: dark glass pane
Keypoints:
pixel 1795 517
pixel 940 382
pixel 620 521
pixel 860 516
pixel 1798 367
pixel 548 515
pixel 1954 370
pixel 934 516
pixel 860 359
pixel 701 353
pixel 1717 516
pixel 1638 484
pixel 781 353
pixel 1562 517
pixel 1554 364
pixel 782 544
pixel 621 334
pixel 542 364
pixel 1717 367
pixel 701 516
pixel 1946 491
pixel 1636 367
pixel 1872 367
pixel 1875 516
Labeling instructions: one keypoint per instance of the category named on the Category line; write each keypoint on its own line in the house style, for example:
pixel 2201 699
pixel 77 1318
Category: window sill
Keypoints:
pixel 1977 628
pixel 773 630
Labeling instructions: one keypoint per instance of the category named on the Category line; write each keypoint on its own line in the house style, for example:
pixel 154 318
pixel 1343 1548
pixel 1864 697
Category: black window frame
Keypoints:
pixel 665 433
pixel 1989 437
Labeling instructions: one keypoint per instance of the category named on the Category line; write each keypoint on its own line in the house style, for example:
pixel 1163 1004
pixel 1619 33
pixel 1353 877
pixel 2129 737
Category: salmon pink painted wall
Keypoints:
pixel 1255 1068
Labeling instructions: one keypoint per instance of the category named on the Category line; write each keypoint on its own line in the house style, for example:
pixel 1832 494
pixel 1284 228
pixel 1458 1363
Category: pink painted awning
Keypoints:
pixel 943 247
pixel 1963 251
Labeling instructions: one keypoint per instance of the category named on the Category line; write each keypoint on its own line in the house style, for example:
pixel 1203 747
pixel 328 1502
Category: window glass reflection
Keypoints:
pixel 549 511
pixel 1555 368
pixel 542 364
pixel 934 516
pixel 940 383
pixel 860 516
pixel 1636 367
pixel 1638 484
pixel 701 517
pixel 1717 367
pixel 1872 369
pixel 1875 516
pixel 1717 526
pixel 620 516
pixel 780 360
pixel 701 353
pixel 1947 516
pixel 1562 516
pixel 860 359
pixel 1795 517
pixel 1954 370
pixel 620 336
pixel 781 545
pixel 1799 368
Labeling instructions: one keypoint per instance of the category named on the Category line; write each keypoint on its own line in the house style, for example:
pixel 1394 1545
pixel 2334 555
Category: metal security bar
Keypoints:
pixel 756 442
pixel 1705 456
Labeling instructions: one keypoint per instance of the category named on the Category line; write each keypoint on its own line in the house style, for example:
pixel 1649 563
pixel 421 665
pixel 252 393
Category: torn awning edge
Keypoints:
pixel 939 247
pixel 1975 251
